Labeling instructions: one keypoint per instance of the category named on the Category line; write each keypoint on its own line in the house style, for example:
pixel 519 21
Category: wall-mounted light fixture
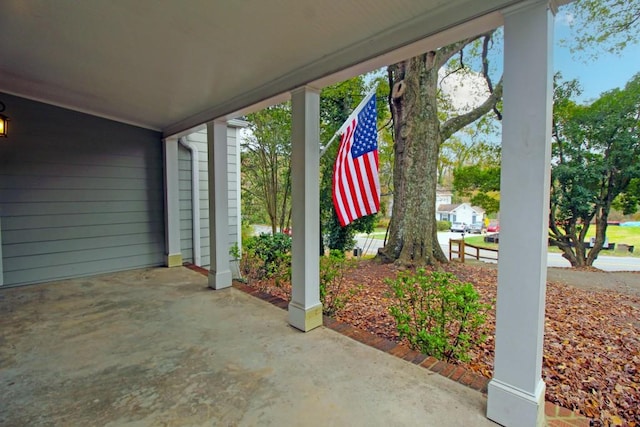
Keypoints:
pixel 3 122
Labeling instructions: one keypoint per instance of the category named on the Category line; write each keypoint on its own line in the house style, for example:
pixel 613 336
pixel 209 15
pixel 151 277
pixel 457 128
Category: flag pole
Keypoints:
pixel 346 123
pixel 326 147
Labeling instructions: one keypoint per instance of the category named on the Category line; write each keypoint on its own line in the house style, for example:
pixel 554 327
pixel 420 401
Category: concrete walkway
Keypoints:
pixel 157 347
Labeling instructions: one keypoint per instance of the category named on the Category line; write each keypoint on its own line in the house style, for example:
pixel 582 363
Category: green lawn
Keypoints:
pixel 378 233
pixel 478 240
pixel 615 234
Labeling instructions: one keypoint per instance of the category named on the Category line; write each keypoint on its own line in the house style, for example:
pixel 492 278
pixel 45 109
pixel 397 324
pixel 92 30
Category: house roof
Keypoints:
pixel 453 206
pixel 448 207
pixel 478 209
pixel 171 65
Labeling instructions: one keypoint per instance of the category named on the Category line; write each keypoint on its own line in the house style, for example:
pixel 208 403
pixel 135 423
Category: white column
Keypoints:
pixel 219 270
pixel 171 204
pixel 516 392
pixel 305 309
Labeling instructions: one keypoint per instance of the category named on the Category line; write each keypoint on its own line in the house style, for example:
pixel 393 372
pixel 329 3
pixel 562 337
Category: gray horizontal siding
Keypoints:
pixel 85 155
pixel 26 249
pixel 72 183
pixel 83 171
pixel 91 231
pixel 66 208
pixel 79 195
pixel 27 222
pixel 66 256
pixel 70 270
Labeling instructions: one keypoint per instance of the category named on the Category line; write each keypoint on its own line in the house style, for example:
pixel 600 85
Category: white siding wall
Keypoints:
pixel 465 213
pixel 79 195
pixel 199 139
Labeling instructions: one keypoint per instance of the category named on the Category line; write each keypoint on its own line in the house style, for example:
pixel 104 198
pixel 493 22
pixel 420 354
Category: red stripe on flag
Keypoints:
pixel 345 179
pixel 352 175
pixel 360 190
pixel 340 198
pixel 376 193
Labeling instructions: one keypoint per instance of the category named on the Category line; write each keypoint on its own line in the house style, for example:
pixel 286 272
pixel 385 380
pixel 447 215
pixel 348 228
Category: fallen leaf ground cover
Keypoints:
pixel 591 360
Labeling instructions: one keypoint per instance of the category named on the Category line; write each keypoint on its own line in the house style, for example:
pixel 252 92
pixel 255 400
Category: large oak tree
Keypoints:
pixel 419 131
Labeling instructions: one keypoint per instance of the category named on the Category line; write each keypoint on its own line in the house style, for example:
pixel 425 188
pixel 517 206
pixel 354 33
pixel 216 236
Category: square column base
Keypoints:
pixel 305 319
pixel 174 260
pixel 220 280
pixel 510 406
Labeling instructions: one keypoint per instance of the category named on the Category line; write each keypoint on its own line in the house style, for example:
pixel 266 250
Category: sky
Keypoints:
pixel 608 71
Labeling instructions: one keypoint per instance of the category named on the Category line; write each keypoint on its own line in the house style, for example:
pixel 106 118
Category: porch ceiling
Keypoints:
pixel 170 65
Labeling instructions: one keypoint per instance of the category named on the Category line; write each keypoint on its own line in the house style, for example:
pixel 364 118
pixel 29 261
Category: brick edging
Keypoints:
pixel 556 415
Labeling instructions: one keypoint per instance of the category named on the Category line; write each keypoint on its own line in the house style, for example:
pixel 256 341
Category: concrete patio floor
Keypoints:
pixel 156 347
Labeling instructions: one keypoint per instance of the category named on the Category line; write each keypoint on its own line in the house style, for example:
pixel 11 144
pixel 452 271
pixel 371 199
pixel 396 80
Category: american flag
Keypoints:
pixel 356 188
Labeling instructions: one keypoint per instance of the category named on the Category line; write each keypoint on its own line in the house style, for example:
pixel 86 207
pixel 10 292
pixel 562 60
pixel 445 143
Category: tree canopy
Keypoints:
pixel 595 153
pixel 608 25
pixel 481 183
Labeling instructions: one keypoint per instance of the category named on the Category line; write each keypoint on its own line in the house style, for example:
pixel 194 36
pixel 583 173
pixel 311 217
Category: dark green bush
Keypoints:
pixel 443 225
pixel 439 315
pixel 268 256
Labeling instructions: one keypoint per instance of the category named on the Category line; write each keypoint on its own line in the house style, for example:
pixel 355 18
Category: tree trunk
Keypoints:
pixel 418 135
pixel 413 236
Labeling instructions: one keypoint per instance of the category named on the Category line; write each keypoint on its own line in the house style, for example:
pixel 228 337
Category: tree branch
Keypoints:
pixel 447 52
pixel 485 70
pixel 454 124
pixel 461 67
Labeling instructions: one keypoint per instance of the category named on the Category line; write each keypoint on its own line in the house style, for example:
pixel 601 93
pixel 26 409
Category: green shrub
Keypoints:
pixel 234 251
pixel 439 315
pixel 268 256
pixel 334 294
pixel 444 225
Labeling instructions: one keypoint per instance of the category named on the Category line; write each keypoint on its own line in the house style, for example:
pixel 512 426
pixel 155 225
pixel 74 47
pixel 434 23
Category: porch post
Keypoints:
pixel 171 204
pixel 305 309
pixel 516 392
pixel 219 270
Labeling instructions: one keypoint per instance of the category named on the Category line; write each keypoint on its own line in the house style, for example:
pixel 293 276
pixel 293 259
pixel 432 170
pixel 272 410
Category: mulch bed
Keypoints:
pixel 592 337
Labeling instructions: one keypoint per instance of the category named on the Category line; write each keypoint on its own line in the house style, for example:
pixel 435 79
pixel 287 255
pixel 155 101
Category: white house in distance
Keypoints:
pixel 456 212
pixel 460 212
